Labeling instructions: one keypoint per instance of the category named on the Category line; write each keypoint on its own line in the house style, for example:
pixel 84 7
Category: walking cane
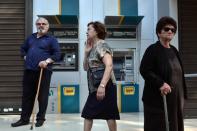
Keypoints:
pixel 37 93
pixel 166 113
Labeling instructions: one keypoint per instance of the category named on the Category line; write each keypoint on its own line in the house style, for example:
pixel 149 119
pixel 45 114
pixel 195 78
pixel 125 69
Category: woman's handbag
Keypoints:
pixel 97 75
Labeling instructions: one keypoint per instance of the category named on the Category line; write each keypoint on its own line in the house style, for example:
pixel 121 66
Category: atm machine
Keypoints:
pixel 123 38
pixel 123 60
pixel 64 87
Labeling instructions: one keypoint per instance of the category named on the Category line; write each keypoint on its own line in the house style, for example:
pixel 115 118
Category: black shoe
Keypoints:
pixel 39 123
pixel 20 123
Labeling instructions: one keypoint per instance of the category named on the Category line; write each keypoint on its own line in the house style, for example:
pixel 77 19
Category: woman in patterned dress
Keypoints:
pixel 102 100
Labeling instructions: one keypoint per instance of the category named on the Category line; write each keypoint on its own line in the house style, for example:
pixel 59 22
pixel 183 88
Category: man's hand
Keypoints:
pixel 24 57
pixel 43 64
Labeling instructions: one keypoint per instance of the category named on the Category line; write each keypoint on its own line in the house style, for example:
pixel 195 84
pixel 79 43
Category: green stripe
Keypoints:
pixel 129 7
pixel 70 7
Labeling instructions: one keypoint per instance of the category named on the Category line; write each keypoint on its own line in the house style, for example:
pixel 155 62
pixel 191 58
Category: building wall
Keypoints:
pixel 148 10
pixel 111 7
pixel 96 10
pixel 44 7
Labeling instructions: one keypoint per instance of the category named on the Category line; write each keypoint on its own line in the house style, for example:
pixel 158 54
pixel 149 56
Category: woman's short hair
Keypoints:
pixel 166 20
pixel 99 28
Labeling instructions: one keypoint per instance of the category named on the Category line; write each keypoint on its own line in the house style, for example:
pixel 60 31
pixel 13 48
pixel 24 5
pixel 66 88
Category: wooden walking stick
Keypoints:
pixel 37 93
pixel 166 113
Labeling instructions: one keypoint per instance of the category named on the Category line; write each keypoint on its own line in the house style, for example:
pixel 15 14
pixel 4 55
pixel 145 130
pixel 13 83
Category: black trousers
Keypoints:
pixel 30 85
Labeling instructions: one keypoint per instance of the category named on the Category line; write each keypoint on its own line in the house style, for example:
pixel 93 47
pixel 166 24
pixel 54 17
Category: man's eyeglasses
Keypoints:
pixel 41 24
pixel 166 29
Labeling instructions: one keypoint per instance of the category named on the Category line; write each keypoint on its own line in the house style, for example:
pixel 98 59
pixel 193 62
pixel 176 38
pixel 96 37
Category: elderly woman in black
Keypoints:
pixel 102 100
pixel 162 71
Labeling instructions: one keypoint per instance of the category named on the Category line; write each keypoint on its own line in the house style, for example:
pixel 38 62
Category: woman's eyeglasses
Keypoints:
pixel 166 29
pixel 41 24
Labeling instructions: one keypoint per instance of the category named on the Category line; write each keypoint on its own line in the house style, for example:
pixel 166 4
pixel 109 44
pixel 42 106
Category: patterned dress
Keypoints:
pixel 106 108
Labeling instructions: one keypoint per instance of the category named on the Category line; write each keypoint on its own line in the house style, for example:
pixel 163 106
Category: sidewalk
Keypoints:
pixel 73 122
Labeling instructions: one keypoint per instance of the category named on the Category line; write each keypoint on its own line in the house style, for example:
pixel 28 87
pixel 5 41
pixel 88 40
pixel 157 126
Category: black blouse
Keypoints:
pixel 156 68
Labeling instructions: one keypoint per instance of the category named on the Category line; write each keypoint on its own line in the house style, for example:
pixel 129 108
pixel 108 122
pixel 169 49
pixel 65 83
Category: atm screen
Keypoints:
pixel 69 57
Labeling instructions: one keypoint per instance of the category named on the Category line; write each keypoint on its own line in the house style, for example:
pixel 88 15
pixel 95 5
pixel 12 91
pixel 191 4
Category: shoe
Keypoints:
pixel 39 123
pixel 20 123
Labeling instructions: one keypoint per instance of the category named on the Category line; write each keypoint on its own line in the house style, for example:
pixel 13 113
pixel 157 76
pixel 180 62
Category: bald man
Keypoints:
pixel 40 50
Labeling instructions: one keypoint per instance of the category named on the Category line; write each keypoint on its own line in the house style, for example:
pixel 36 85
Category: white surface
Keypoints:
pixel 73 122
